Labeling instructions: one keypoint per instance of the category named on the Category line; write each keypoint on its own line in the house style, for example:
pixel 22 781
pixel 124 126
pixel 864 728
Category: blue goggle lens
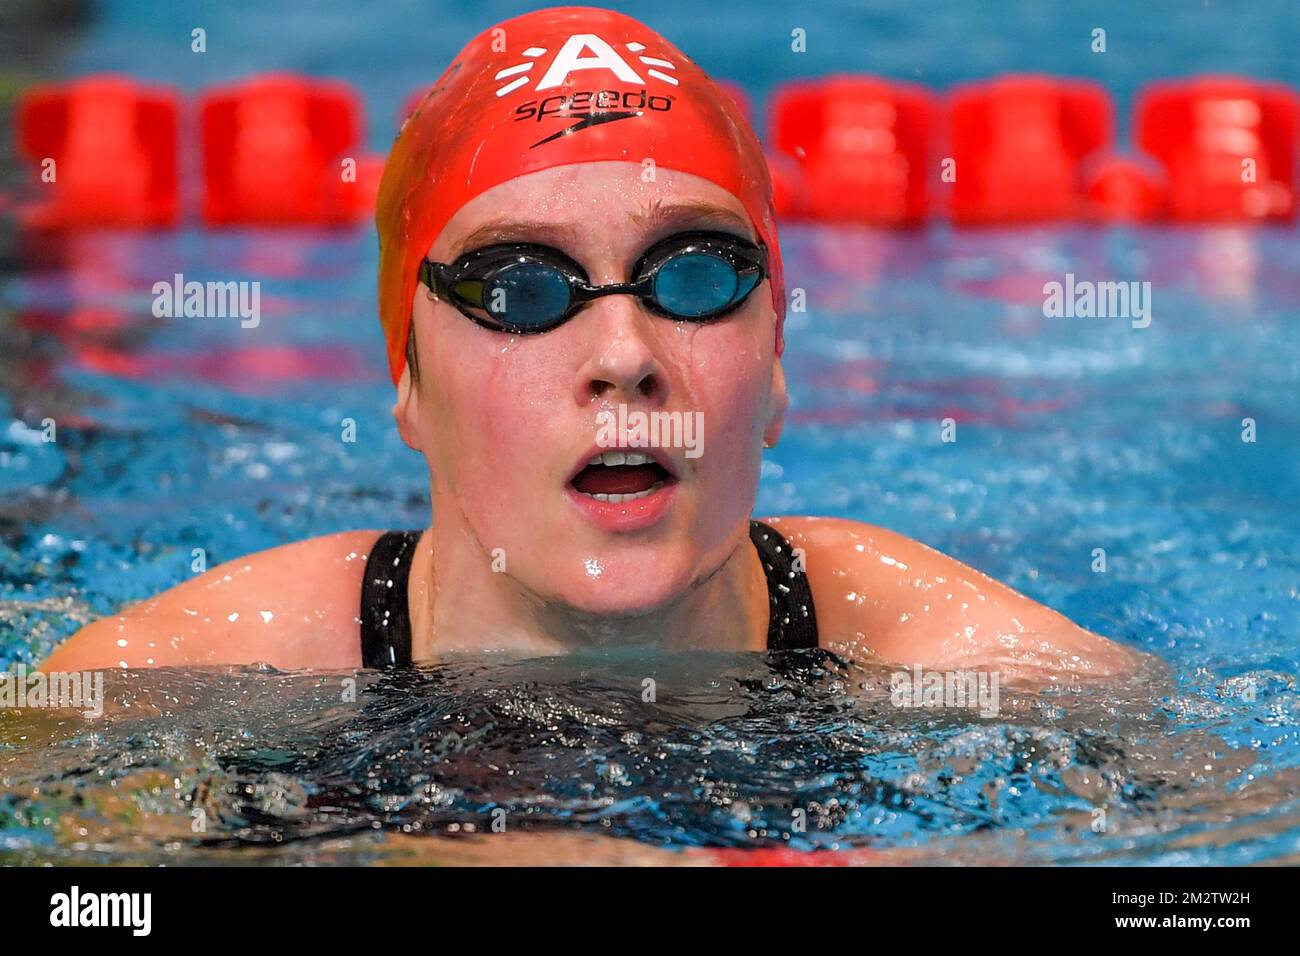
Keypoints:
pixel 530 295
pixel 697 283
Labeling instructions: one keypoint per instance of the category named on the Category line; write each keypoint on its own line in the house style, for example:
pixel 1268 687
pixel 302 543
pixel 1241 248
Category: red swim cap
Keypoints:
pixel 549 88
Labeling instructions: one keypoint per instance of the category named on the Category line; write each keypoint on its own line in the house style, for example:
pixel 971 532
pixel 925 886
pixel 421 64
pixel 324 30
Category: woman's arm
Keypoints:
pixel 293 606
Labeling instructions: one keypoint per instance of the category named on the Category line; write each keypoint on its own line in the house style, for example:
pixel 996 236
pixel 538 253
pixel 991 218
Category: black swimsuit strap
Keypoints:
pixel 386 620
pixel 385 614
pixel 793 619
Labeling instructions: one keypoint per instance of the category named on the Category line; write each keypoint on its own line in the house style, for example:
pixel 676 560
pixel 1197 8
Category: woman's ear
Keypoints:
pixel 406 411
pixel 780 402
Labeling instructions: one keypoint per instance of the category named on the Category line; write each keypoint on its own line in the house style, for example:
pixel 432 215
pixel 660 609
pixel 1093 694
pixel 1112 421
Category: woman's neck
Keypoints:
pixel 459 604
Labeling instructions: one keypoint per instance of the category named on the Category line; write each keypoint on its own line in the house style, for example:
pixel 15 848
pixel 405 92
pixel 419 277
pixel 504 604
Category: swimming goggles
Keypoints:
pixel 524 288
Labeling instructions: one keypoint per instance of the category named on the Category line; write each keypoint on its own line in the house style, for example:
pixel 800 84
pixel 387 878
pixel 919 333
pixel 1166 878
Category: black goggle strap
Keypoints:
pixel 455 291
pixel 431 276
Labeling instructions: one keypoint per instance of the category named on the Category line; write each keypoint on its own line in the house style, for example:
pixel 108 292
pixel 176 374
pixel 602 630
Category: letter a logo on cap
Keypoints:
pixel 569 60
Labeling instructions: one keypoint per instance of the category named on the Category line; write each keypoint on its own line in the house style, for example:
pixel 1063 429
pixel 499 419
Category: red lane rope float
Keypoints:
pixel 857 150
pixel 1227 144
pixel 105 150
pixel 1018 143
pixel 1124 189
pixel 283 150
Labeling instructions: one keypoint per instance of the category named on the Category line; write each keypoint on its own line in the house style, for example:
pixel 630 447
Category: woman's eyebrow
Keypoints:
pixel 559 234
pixel 698 213
pixel 515 230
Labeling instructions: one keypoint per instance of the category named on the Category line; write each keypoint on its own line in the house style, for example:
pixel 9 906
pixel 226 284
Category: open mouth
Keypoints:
pixel 617 476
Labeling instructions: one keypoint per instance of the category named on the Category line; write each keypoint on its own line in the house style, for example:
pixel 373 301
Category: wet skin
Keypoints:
pixel 520 560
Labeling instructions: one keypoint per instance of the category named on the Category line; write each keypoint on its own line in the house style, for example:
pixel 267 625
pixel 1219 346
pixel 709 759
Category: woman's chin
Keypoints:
pixel 607 592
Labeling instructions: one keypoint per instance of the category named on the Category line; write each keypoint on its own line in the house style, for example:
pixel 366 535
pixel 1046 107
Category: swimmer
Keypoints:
pixel 577 236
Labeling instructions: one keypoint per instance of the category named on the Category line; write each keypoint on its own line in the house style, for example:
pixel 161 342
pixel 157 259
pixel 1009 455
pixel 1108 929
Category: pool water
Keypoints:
pixel 1072 435
pixel 795 749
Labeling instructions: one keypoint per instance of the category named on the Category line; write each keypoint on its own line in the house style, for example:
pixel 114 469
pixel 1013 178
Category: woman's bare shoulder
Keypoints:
pixel 291 606
pixel 824 532
pixel 899 598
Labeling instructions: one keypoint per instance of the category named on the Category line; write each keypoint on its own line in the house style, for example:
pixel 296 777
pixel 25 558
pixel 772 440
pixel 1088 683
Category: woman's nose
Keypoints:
pixel 622 363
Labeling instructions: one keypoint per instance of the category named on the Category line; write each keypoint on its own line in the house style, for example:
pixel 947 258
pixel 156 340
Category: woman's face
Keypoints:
pixel 508 424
